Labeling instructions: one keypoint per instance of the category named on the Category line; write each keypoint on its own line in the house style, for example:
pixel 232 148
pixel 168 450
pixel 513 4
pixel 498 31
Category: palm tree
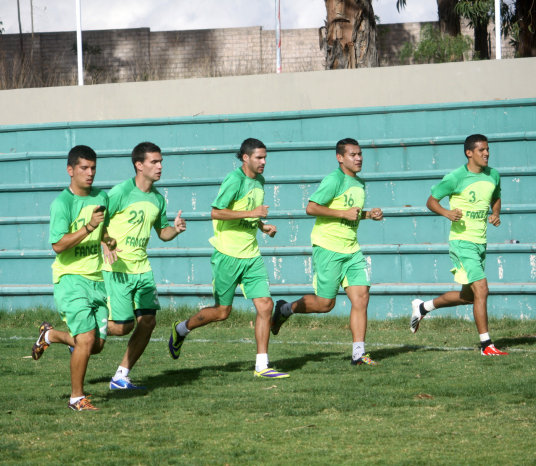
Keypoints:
pixel 349 35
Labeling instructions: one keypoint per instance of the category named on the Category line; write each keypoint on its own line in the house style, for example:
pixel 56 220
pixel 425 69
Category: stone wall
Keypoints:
pixel 141 55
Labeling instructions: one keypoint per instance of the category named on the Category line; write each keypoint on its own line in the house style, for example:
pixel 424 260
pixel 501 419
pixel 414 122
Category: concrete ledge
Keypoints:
pixel 291 250
pixel 289 214
pixel 401 85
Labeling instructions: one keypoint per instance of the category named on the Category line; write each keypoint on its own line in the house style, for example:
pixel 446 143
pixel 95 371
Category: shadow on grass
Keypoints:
pixel 291 364
pixel 513 341
pixel 386 353
pixel 184 376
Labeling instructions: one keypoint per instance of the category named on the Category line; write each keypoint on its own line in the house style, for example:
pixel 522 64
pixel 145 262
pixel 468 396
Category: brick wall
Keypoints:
pixel 141 55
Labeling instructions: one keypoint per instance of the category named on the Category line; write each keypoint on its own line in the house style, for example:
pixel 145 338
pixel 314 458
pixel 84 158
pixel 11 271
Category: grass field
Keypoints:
pixel 432 399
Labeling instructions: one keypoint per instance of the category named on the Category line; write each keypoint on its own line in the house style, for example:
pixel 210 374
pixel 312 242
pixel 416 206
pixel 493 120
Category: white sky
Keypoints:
pixel 163 15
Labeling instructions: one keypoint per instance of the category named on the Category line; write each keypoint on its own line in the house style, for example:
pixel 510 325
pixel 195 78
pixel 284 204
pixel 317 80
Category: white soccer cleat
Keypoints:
pixel 416 315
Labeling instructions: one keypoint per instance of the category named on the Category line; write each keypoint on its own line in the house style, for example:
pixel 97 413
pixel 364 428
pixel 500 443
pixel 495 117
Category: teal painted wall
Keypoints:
pixel 406 150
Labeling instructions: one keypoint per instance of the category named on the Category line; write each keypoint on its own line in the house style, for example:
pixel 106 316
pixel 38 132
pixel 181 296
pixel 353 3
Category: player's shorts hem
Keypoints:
pixel 145 312
pixel 121 322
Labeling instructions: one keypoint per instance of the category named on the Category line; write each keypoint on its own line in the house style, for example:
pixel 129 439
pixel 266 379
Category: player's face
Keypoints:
pixel 478 157
pixel 352 160
pixel 82 174
pixel 151 168
pixel 254 164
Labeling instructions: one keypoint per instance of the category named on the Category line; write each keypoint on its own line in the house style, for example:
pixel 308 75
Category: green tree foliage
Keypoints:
pixel 435 47
pixel 479 13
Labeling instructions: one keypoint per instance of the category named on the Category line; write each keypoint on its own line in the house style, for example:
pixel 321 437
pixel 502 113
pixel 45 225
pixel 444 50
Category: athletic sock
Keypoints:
pixel 47 341
pixel 286 309
pixel 75 399
pixel 121 373
pixel 261 362
pixel 181 328
pixel 428 306
pixel 485 340
pixel 358 349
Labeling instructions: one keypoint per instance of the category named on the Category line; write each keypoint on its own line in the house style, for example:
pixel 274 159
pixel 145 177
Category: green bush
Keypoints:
pixel 435 47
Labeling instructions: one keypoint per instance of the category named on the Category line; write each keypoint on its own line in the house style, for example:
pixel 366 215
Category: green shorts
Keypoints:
pixel 469 260
pixel 228 272
pixel 82 305
pixel 130 295
pixel 333 269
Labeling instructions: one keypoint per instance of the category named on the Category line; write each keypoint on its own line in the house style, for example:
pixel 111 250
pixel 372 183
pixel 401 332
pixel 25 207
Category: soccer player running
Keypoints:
pixel 76 230
pixel 236 215
pixel 472 189
pixel 338 261
pixel 135 207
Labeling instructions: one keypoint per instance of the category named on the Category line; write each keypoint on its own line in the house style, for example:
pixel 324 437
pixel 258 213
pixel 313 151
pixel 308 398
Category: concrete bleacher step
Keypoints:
pixel 402 225
pixel 406 263
pixel 406 150
pixel 283 193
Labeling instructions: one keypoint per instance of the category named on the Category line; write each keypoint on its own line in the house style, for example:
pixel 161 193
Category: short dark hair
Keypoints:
pixel 80 152
pixel 248 147
pixel 341 145
pixel 471 141
pixel 143 148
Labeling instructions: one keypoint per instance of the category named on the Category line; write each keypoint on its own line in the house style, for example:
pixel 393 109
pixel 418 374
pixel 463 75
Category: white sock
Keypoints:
pixel 429 305
pixel 75 399
pixel 46 337
pixel 181 328
pixel 286 309
pixel 358 349
pixel 121 373
pixel 261 362
pixel 484 336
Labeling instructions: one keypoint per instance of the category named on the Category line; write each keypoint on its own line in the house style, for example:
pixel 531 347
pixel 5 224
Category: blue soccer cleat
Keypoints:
pixel 124 384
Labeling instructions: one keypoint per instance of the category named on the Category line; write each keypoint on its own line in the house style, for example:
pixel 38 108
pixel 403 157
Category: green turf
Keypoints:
pixel 432 399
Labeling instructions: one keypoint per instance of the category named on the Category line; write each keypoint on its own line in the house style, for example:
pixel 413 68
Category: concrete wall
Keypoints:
pixel 125 55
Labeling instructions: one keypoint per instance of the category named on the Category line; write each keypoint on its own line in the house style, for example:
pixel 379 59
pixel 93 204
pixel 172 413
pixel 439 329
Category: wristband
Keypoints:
pixel 88 230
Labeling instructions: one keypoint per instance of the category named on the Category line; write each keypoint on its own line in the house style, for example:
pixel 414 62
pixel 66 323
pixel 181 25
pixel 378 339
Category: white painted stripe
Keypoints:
pixel 307 343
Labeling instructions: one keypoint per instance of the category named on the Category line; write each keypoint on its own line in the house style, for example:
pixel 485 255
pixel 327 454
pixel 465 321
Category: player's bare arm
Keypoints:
pixel 434 205
pixel 317 210
pixel 373 214
pixel 171 232
pixel 70 240
pixel 268 229
pixel 228 214
pixel 495 217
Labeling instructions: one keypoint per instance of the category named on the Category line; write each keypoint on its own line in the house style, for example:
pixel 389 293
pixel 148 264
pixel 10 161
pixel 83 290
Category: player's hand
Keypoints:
pixel 260 212
pixel 454 215
pixel 376 214
pixel 110 254
pixel 179 223
pixel 495 220
pixel 352 214
pixel 270 230
pixel 97 217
